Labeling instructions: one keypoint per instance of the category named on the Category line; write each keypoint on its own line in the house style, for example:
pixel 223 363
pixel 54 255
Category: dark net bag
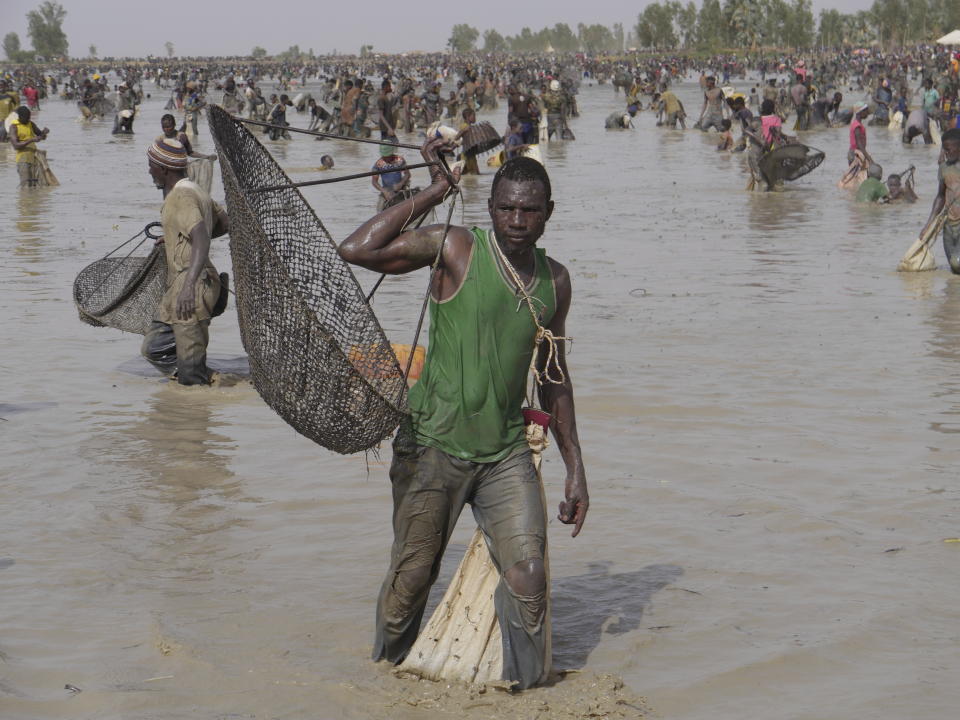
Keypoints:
pixel 789 162
pixel 121 292
pixel 318 356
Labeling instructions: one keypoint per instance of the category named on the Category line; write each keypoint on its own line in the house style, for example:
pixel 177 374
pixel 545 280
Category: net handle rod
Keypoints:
pixel 341 178
pixel 317 133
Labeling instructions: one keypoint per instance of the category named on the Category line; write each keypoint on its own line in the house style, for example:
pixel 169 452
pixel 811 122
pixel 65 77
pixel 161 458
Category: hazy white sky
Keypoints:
pixel 234 27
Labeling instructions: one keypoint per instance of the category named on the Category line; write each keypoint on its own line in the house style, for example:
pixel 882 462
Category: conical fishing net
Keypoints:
pixel 481 137
pixel 789 162
pixel 318 356
pixel 121 292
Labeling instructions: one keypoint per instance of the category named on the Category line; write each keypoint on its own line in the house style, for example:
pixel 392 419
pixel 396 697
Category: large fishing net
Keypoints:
pixel 789 162
pixel 121 292
pixel 317 354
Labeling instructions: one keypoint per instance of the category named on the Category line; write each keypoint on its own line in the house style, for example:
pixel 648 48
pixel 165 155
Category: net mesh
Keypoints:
pixel 480 137
pixel 789 162
pixel 121 292
pixel 318 356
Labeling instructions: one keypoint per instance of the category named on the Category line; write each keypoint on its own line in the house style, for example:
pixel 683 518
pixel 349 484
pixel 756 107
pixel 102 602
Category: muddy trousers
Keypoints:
pixel 951 246
pixel 179 348
pixel 430 489
pixel 29 173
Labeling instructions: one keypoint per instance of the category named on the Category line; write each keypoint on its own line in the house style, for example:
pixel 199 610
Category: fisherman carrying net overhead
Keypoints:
pixel 498 306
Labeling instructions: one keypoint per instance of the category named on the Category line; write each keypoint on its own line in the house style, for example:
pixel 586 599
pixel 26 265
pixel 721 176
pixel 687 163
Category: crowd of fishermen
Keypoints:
pixel 915 88
pixel 914 93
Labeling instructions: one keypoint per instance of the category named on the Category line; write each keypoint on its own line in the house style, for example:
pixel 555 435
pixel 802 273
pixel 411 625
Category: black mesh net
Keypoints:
pixel 121 292
pixel 318 356
pixel 789 162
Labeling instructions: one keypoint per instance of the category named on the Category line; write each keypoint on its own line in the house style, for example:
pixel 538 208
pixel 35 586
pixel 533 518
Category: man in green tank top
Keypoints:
pixel 465 440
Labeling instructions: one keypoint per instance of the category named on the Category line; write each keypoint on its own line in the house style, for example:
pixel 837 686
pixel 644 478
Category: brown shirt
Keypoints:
pixel 184 207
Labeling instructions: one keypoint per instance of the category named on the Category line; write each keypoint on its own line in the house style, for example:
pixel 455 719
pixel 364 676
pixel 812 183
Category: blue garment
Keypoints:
pixel 513 141
pixel 394 177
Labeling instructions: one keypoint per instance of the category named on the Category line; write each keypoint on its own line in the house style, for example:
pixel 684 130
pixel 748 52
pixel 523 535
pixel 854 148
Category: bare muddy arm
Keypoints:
pixel 557 399
pixel 380 243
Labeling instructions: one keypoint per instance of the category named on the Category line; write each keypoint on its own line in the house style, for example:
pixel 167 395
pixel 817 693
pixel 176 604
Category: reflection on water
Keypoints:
pixel 182 450
pixel 918 285
pixel 782 212
pixel 33 225
pixel 175 486
pixel 945 347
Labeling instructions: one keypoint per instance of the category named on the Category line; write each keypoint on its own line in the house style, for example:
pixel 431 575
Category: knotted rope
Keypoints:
pixel 543 334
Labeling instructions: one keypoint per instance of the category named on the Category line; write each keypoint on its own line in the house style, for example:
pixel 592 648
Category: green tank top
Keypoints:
pixel 467 402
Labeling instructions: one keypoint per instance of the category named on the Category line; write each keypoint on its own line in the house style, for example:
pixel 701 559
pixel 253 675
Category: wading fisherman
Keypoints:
pixel 465 439
pixel 395 176
pixel 711 115
pixel 176 342
pixel 232 101
pixel 948 196
pixel 168 124
pixel 858 133
pixel 24 136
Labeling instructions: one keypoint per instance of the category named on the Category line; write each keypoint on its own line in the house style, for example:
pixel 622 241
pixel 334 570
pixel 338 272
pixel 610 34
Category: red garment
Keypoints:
pixel 31 94
pixel 768 122
pixel 854 124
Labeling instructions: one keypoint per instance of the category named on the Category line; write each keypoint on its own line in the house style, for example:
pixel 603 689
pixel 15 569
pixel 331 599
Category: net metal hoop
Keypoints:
pixel 318 355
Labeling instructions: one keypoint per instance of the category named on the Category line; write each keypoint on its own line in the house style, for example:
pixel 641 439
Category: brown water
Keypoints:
pixel 770 418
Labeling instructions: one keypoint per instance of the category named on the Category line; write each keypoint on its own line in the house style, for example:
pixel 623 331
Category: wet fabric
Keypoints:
pixel 179 350
pixel 29 173
pixel 712 120
pixel 25 132
pixel 469 397
pixel 430 489
pixel 951 246
pixel 671 104
pixel 614 121
pixel 872 190
pixel 949 175
pixel 394 175
pixel 768 122
pixel 184 208
pixel 857 127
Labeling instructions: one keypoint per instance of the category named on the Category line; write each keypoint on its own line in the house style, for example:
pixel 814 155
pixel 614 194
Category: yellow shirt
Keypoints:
pixel 8 103
pixel 670 102
pixel 25 132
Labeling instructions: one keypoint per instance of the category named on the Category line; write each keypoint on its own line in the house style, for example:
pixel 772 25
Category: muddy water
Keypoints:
pixel 770 418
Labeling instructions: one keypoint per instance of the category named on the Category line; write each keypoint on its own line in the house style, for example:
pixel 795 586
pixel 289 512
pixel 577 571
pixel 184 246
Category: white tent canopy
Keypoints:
pixel 952 38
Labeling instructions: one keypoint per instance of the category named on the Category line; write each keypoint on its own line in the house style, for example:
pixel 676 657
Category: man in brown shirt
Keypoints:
pixel 176 342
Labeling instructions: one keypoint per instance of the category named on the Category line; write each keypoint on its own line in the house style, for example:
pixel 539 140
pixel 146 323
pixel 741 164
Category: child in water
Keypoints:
pixel 726 137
